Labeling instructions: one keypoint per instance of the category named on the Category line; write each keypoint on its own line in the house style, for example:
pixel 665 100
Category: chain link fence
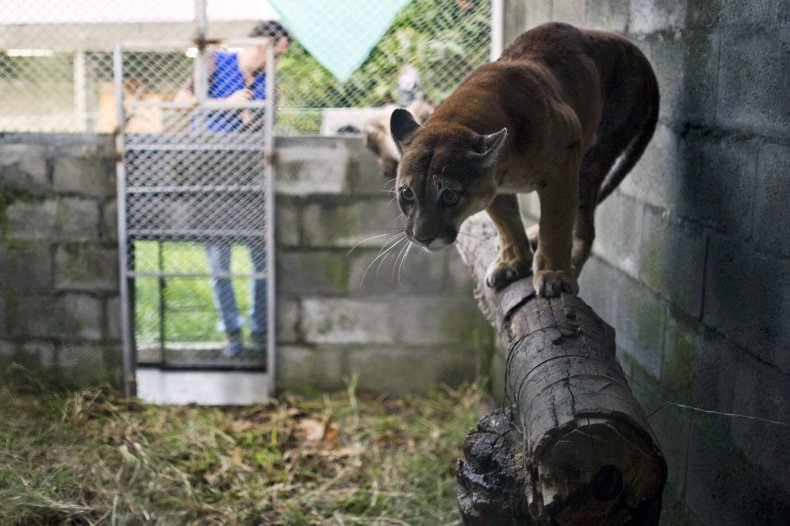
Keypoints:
pixel 195 197
pixel 56 57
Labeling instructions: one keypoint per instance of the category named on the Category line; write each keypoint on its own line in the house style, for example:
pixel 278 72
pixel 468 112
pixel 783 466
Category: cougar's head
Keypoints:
pixel 446 174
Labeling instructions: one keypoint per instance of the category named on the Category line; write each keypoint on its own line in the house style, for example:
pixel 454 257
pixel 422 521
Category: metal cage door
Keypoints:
pixel 196 214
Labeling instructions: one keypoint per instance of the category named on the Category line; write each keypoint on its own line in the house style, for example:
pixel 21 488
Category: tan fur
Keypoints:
pixel 564 112
pixel 378 138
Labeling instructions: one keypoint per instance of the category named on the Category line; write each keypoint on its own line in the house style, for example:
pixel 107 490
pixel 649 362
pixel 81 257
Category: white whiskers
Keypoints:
pixel 392 243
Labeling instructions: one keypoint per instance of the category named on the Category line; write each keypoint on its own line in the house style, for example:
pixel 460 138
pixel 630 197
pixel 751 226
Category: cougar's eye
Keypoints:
pixel 407 194
pixel 450 197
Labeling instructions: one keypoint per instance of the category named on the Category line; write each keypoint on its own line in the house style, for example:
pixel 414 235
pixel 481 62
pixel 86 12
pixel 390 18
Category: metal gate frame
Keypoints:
pixel 128 275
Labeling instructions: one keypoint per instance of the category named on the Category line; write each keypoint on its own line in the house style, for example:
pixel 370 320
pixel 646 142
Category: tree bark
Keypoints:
pixel 572 446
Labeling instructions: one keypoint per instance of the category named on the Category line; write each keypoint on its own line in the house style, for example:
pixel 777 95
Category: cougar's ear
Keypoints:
pixel 491 146
pixel 402 124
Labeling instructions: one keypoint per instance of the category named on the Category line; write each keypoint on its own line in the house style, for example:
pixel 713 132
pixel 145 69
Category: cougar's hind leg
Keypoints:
pixel 597 162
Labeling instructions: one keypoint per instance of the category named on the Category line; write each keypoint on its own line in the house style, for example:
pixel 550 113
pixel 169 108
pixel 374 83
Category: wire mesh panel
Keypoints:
pixel 195 202
pixel 325 84
pixel 56 56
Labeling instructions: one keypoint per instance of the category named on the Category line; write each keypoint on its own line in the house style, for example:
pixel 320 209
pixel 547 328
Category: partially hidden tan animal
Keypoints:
pixel 564 112
pixel 378 138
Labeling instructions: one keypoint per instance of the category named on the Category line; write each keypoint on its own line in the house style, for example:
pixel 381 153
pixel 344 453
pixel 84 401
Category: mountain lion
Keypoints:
pixel 564 112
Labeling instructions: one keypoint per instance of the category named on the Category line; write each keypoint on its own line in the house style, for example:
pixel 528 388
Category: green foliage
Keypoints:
pixel 444 40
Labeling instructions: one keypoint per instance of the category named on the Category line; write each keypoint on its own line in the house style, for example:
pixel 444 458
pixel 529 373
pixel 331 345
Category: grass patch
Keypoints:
pixel 189 313
pixel 86 457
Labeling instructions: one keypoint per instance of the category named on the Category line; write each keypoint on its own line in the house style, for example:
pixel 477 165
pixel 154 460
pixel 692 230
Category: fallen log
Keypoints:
pixel 572 445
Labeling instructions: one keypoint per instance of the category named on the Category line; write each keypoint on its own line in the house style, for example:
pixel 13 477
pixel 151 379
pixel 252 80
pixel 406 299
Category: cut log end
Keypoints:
pixel 595 470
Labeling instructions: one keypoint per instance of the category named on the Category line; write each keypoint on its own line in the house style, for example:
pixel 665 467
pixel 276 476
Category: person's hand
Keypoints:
pixel 240 96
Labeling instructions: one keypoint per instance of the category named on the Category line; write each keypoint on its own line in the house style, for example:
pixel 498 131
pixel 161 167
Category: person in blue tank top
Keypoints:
pixel 238 77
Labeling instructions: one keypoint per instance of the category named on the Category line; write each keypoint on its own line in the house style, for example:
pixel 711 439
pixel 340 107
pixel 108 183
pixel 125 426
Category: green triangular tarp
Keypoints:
pixel 340 34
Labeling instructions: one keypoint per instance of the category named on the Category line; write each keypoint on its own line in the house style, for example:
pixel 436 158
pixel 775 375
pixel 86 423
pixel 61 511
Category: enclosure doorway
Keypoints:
pixel 195 229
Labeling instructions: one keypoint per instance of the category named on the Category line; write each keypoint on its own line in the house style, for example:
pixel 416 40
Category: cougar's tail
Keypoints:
pixel 636 147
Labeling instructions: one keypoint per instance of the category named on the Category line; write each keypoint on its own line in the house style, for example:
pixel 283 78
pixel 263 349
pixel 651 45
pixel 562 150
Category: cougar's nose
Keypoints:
pixel 426 241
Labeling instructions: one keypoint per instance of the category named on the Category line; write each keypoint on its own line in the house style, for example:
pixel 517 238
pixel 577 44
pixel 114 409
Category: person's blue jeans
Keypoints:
pixel 218 255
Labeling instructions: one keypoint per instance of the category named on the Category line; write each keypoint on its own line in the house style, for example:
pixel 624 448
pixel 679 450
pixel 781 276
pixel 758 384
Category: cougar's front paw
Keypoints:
pixel 551 283
pixel 500 274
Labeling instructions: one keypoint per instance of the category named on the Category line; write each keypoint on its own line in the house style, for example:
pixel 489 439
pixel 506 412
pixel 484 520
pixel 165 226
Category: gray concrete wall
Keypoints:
pixel 691 260
pixel 59 299
pixel 58 258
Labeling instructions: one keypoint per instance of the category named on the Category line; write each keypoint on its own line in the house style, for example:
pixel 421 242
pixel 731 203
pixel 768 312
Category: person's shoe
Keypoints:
pixel 234 346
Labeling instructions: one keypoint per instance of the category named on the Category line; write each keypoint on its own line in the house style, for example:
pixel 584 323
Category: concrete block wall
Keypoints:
pixel 401 325
pixel 59 258
pixel 691 260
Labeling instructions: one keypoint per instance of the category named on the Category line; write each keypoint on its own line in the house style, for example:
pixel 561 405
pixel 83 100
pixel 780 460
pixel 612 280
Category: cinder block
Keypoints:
pixel 31 220
pixel 618 232
pixel 429 321
pixel 515 18
pixel 747 298
pixel 289 318
pixel 84 175
pixel 376 273
pixel 25 265
pixel 289 222
pixel 311 165
pixel 596 282
pixel 771 212
pixel 721 488
pixel 347 321
pixel 80 145
pixel 671 427
pixel 112 308
pixel 608 15
pixel 687 72
pixel 717 183
pixel 40 353
pixel 77 220
pixel 7 351
pixel 637 315
pixel 536 13
pixel 79 316
pixel 569 11
pixel 317 272
pixel 714 376
pixel 672 260
pixel 399 370
pixel 363 171
pixel 109 226
pixel 458 280
pixel 86 267
pixel 24 167
pixel 764 392
pixel 658 178
pixel 343 224
pixel 3 318
pixel 75 316
pixel 730 12
pixel 85 364
pixel 753 93
pixel 300 367
pixel 649 16
pixel 683 353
